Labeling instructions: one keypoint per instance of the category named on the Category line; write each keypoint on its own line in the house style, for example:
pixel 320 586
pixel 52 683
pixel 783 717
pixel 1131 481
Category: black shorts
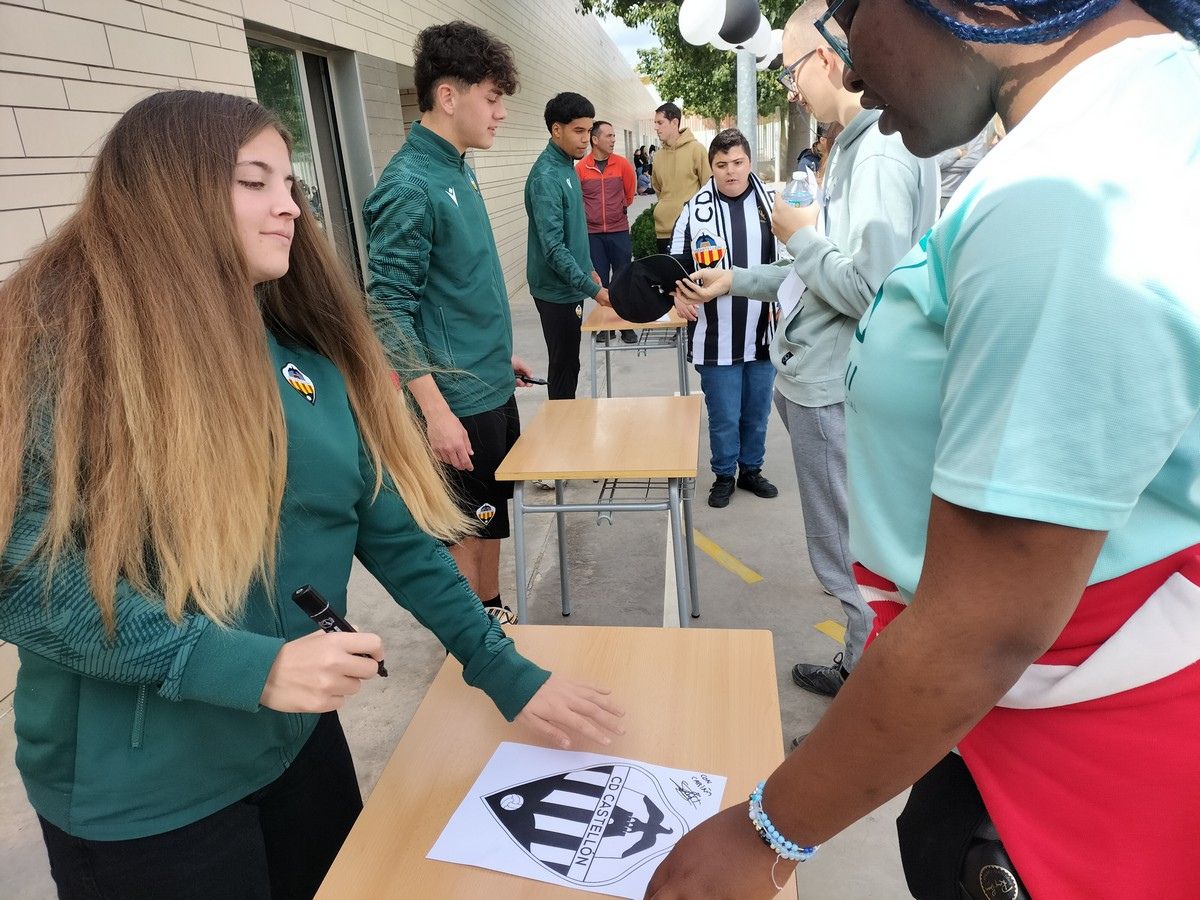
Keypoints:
pixel 478 493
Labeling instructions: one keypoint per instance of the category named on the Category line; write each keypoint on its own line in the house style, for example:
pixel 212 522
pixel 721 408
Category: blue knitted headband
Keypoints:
pixel 1054 19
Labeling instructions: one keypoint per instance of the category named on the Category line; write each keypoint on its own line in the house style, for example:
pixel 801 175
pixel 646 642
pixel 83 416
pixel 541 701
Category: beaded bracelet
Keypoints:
pixel 770 835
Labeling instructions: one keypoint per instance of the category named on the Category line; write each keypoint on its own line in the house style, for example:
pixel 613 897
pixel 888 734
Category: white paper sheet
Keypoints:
pixel 789 294
pixel 582 820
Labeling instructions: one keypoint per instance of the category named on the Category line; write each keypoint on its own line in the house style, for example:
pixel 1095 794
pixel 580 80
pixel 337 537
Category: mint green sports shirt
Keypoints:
pixel 1037 355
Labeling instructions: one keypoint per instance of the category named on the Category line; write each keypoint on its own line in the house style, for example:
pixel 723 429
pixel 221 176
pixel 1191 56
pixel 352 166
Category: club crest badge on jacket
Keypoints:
pixel 301 382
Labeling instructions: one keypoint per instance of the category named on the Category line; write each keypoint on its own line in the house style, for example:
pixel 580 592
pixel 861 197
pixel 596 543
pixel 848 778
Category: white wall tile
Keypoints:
pixel 31 90
pixel 20 231
pixel 60 132
pixel 100 97
pixel 125 13
pixel 141 52
pixel 32 191
pixel 10 137
pixel 184 27
pixel 218 64
pixel 43 35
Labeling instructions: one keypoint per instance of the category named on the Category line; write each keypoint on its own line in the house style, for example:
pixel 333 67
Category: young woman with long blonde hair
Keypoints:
pixel 196 418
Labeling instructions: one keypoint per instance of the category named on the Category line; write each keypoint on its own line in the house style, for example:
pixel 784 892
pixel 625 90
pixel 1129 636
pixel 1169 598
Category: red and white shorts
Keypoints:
pixel 1090 765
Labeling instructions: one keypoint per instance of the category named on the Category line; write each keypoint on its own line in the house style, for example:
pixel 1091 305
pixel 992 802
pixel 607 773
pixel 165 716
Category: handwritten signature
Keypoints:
pixel 685 791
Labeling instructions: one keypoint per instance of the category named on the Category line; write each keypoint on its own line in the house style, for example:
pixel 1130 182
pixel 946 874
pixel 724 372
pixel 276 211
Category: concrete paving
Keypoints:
pixel 617 578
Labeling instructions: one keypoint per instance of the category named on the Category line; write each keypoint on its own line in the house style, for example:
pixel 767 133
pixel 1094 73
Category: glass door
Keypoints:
pixel 295 85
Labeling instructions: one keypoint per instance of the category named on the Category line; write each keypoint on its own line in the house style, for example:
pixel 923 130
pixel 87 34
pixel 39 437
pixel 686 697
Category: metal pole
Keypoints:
pixel 519 549
pixel 563 578
pixel 747 99
pixel 682 579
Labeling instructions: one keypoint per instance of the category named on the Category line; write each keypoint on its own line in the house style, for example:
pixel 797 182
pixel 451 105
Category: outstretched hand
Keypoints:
pixel 704 285
pixel 564 711
pixel 722 857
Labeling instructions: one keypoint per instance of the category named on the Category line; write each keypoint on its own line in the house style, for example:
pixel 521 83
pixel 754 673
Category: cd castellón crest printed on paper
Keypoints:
pixel 582 820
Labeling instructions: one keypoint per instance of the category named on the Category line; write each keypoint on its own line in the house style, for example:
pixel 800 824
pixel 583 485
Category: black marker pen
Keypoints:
pixel 529 379
pixel 318 609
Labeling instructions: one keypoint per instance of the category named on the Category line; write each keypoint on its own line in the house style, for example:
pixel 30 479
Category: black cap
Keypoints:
pixel 641 292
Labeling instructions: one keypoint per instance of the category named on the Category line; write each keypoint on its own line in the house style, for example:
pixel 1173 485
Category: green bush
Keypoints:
pixel 645 241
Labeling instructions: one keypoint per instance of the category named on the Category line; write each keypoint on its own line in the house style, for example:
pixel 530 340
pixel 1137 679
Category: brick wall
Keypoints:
pixel 68 68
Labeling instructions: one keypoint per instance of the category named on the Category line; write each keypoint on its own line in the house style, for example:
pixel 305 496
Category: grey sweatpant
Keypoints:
pixel 818 436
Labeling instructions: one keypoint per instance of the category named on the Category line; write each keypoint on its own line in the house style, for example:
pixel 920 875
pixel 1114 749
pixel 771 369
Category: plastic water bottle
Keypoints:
pixel 797 192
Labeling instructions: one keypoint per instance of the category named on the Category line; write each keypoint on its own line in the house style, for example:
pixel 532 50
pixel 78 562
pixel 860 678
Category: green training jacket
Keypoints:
pixel 435 278
pixel 558 261
pixel 162 726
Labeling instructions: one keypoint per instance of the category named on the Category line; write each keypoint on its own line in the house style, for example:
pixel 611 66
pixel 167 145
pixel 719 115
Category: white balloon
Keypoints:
pixel 722 45
pixel 776 42
pixel 760 43
pixel 700 20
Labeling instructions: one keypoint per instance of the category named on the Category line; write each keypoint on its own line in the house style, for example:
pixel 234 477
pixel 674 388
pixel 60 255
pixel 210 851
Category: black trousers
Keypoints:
pixel 560 327
pixel 276 844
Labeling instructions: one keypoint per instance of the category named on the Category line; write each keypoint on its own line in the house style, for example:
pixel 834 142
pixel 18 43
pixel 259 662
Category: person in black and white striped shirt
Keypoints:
pixel 728 222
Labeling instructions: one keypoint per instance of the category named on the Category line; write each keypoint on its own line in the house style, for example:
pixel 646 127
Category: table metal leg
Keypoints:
pixel 518 530
pixel 689 496
pixel 677 540
pixel 681 358
pixel 608 371
pixel 595 363
pixel 563 583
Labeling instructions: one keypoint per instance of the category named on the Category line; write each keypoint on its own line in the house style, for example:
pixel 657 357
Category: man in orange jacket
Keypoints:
pixel 609 184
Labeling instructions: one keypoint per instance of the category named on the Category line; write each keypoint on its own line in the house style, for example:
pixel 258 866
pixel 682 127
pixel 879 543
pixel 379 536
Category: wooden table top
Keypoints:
pixel 604 318
pixel 609 437
pixel 702 699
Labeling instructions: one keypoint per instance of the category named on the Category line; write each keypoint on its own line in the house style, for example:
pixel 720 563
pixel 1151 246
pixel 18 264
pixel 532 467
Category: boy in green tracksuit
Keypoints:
pixel 438 288
pixel 559 257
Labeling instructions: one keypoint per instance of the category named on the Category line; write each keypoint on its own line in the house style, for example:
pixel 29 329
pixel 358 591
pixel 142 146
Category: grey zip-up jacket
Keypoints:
pixel 880 200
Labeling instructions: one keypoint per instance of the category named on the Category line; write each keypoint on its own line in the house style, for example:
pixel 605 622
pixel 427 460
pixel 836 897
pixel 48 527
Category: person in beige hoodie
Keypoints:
pixel 680 169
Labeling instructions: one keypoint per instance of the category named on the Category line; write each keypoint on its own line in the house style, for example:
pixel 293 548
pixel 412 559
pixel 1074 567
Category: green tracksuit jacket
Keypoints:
pixel 435 278
pixel 558 261
pixel 162 726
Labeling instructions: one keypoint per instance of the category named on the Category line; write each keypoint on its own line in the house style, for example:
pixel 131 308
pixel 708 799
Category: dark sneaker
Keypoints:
pixel 603 336
pixel 629 336
pixel 501 614
pixel 720 492
pixel 797 741
pixel 823 680
pixel 752 480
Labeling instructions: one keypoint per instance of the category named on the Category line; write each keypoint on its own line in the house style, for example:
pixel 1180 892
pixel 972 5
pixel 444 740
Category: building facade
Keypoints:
pixel 339 72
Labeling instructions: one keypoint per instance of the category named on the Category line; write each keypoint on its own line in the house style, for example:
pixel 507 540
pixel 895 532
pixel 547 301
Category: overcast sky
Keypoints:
pixel 628 40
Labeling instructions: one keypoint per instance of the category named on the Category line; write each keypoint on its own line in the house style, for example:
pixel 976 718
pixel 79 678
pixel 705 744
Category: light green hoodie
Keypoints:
pixel 880 201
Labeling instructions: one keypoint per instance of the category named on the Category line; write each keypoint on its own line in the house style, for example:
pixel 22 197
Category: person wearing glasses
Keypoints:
pixel 878 201
pixel 1024 434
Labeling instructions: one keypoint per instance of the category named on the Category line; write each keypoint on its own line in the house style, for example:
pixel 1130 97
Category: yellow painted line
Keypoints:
pixel 832 629
pixel 725 559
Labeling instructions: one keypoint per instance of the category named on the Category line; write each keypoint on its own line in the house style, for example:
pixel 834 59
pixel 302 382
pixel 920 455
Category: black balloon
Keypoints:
pixel 741 21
